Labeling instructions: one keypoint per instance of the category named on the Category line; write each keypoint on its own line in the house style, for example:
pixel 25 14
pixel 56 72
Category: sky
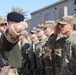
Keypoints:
pixel 27 5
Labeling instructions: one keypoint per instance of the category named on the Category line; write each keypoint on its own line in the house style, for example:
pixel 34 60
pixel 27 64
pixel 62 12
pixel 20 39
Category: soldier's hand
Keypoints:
pixel 57 30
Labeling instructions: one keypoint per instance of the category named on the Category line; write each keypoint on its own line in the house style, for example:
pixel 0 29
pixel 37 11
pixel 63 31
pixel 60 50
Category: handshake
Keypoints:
pixel 13 31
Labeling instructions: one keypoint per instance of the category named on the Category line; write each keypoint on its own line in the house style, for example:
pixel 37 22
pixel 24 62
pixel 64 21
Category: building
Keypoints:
pixel 52 12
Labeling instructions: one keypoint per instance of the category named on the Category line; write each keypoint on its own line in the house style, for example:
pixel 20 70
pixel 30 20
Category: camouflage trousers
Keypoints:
pixel 72 66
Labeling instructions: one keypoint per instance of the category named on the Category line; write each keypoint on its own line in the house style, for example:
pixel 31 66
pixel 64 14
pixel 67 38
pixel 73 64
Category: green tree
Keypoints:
pixel 19 10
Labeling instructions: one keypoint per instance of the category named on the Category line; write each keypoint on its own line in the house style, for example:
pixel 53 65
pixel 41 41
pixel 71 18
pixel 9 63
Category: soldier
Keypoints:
pixel 33 36
pixel 3 24
pixel 23 38
pixel 40 32
pixel 9 49
pixel 40 49
pixel 67 45
pixel 24 45
pixel 49 31
pixel 32 52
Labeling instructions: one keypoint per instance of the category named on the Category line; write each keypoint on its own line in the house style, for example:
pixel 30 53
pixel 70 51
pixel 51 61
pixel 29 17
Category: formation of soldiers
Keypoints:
pixel 49 49
pixel 48 52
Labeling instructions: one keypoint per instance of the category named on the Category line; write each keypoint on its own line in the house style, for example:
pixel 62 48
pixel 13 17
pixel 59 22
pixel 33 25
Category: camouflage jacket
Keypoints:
pixel 66 46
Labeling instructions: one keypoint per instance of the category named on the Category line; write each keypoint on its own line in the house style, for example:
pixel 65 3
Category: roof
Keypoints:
pixel 56 3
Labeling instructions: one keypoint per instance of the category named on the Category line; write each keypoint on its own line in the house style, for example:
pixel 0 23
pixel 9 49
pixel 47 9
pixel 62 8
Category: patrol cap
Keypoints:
pixel 33 31
pixel 40 27
pixel 49 23
pixel 3 19
pixel 24 33
pixel 14 16
pixel 67 20
pixel 75 18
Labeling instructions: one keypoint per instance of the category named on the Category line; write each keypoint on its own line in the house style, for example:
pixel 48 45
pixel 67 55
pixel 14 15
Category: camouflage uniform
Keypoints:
pixel 48 50
pixel 65 65
pixel 40 49
pixel 52 60
pixel 67 59
pixel 52 55
pixel 32 55
pixel 71 52
pixel 40 55
pixel 3 20
pixel 24 44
